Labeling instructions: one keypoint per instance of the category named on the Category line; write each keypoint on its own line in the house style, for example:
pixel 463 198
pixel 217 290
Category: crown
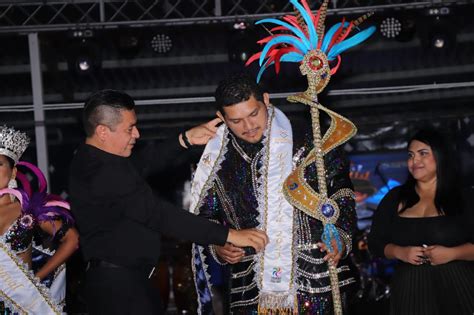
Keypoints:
pixel 13 143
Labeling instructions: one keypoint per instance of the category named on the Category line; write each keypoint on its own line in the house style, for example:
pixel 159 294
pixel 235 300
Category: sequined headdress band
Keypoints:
pixel 13 143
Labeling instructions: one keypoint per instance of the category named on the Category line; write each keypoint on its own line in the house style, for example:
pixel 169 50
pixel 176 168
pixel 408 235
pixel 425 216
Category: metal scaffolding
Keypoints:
pixel 34 16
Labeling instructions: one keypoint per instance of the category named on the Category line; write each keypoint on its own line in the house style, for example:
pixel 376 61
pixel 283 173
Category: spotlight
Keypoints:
pixel 390 27
pixel 84 56
pixel 441 38
pixel 399 28
pixel 240 26
pixel 440 29
pixel 87 33
pixel 161 43
pixel 439 42
pixel 242 42
pixel 83 64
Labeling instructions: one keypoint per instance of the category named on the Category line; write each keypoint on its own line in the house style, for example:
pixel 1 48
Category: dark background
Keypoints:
pixel 389 87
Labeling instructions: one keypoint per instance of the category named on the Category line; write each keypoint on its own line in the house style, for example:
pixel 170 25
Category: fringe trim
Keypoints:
pixel 277 304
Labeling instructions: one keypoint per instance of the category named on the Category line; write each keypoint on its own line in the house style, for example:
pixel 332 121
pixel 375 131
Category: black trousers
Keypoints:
pixel 120 291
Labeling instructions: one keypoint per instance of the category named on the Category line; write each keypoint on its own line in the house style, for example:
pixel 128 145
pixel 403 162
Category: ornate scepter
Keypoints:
pixel 301 38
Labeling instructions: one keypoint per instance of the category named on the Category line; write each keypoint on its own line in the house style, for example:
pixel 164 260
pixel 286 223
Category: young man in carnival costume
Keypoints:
pixel 258 178
pixel 32 278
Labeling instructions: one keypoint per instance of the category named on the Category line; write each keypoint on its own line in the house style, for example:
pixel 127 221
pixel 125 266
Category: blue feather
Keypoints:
pixel 328 37
pixel 263 68
pixel 329 233
pixel 278 40
pixel 295 30
pixel 313 36
pixel 291 56
pixel 351 42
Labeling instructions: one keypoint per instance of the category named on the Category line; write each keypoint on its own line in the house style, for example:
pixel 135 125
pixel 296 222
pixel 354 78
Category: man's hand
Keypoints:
pixel 332 254
pixel 201 134
pixel 230 253
pixel 251 237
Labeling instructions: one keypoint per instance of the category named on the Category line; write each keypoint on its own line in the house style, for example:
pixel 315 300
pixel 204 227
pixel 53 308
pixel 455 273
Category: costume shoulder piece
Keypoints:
pixel 302 38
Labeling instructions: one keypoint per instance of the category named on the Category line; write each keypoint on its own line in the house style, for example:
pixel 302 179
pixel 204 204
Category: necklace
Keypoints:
pixel 239 149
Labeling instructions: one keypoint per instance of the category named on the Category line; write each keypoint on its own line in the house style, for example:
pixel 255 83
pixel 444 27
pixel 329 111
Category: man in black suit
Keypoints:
pixel 120 220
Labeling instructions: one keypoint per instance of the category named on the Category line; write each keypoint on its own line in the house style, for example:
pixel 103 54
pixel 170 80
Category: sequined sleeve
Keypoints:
pixel 210 209
pixel 340 185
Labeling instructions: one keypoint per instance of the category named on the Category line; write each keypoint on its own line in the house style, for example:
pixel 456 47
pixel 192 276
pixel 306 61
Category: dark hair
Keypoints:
pixel 237 88
pixel 103 108
pixel 448 196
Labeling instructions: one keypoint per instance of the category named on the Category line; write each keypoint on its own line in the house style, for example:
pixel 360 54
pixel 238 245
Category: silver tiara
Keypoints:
pixel 13 143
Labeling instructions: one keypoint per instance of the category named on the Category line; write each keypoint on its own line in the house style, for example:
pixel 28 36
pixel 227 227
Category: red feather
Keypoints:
pixel 293 21
pixel 253 58
pixel 336 67
pixel 336 35
pixel 308 9
pixel 346 32
pixel 265 40
pixel 280 53
pixel 279 28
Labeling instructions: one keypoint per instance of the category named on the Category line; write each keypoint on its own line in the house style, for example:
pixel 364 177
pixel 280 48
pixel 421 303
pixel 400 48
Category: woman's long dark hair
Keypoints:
pixel 448 193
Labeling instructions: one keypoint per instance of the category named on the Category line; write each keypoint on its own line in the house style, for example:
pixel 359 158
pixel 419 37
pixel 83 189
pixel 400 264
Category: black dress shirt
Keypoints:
pixel 120 219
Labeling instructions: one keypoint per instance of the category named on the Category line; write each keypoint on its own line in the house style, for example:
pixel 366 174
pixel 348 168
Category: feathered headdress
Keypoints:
pixel 302 38
pixel 40 204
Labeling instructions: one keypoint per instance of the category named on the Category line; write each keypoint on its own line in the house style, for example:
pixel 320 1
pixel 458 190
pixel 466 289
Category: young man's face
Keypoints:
pixel 122 138
pixel 248 119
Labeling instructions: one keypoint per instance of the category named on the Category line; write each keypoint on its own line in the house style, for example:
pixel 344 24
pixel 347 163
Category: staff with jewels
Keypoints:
pixel 302 39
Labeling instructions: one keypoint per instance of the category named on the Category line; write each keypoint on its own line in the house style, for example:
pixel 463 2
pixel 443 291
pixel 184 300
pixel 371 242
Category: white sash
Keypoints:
pixel 19 289
pixel 274 270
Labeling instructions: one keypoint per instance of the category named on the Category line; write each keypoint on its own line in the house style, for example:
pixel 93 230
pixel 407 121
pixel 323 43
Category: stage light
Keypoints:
pixel 87 33
pixel 400 28
pixel 240 25
pixel 83 64
pixel 161 43
pixel 242 42
pixel 439 32
pixel 442 35
pixel 84 56
pixel 439 42
pixel 441 38
pixel 390 27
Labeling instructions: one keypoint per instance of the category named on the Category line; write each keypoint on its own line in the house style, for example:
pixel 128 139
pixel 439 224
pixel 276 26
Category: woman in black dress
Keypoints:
pixel 427 224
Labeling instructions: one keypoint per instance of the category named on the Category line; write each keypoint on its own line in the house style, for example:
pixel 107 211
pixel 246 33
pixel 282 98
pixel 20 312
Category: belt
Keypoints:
pixel 93 263
pixel 98 263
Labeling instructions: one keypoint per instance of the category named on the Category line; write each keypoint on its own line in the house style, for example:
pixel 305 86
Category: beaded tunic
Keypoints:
pixel 20 234
pixel 232 201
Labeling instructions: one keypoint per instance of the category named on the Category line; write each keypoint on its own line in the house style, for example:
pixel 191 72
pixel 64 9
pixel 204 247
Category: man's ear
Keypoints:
pixel 102 131
pixel 266 99
pixel 219 114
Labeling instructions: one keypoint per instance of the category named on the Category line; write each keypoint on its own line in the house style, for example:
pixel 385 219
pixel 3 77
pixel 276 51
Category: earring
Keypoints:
pixel 12 184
